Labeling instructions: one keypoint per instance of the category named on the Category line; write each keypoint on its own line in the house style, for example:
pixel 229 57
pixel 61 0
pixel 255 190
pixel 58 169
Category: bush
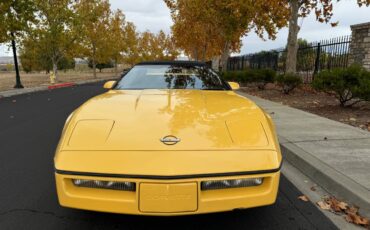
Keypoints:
pixel 288 82
pixel 264 76
pixel 101 66
pixel 349 86
pixel 364 89
pixel 259 76
pixel 237 76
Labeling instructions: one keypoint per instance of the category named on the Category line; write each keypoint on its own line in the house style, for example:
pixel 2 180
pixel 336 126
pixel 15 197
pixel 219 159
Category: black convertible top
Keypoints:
pixel 178 63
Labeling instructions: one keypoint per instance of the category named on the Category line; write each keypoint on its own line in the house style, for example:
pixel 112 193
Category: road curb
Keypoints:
pixel 61 85
pixel 15 92
pixel 333 181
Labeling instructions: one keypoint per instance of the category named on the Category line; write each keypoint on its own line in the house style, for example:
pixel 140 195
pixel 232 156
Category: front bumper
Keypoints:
pixel 166 197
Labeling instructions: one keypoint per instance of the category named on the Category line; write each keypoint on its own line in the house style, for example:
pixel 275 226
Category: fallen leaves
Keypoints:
pixel 303 198
pixel 341 207
pixel 336 205
pixel 323 205
pixel 353 217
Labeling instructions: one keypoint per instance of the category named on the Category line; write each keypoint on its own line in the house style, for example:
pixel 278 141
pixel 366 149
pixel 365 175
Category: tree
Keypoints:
pixel 15 17
pixel 94 18
pixel 55 36
pixel 207 28
pixel 156 46
pixel 33 58
pixel 301 8
pixel 117 43
pixel 131 55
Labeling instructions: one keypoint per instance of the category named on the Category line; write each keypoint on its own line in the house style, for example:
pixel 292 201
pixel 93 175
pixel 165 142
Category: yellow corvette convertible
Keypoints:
pixel 169 138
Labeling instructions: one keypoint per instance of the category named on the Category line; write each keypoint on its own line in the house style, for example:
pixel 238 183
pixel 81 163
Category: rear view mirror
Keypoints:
pixel 109 84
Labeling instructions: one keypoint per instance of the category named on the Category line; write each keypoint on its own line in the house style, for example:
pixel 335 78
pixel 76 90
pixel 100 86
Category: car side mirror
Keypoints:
pixel 234 85
pixel 109 84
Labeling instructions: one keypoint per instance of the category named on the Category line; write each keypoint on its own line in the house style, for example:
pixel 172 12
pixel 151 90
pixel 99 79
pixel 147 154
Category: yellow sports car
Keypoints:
pixel 169 138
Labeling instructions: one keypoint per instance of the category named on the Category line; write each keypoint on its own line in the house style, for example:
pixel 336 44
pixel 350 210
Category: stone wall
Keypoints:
pixel 360 45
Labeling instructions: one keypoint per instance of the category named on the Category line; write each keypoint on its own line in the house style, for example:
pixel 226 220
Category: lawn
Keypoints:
pixel 7 79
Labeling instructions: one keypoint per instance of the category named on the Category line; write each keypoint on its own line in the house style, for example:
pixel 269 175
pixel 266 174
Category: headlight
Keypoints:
pixel 124 186
pixel 222 184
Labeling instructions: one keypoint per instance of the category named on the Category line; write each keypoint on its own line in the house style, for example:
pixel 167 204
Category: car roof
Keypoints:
pixel 178 63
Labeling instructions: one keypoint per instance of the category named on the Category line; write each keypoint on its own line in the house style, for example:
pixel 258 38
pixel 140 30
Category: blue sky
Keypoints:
pixel 153 15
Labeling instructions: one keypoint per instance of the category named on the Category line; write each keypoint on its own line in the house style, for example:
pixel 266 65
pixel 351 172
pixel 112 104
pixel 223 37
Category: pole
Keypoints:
pixel 18 83
pixel 317 61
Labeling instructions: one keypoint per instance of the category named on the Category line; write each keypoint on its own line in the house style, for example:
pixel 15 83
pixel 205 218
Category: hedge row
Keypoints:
pixel 261 77
pixel 350 85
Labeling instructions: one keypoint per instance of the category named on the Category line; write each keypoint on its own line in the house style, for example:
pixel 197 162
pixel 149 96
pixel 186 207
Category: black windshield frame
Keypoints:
pixel 197 77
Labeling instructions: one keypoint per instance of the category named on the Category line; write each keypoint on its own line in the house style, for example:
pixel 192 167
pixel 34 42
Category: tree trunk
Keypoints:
pixel 94 61
pixel 204 52
pixel 225 56
pixel 94 66
pixel 115 68
pixel 55 69
pixel 18 83
pixel 292 44
pixel 195 54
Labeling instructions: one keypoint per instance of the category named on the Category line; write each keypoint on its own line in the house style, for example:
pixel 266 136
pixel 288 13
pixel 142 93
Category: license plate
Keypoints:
pixel 167 198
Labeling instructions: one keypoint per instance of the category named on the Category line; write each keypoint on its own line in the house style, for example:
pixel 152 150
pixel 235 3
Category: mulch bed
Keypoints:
pixel 307 99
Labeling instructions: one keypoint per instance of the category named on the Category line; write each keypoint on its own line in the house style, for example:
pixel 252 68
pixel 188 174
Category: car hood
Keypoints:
pixel 137 120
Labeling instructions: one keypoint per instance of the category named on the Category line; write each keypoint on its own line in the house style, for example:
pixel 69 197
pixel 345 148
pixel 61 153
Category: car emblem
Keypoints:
pixel 170 140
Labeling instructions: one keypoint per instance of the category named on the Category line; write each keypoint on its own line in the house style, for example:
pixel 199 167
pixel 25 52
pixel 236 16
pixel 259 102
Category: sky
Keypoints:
pixel 153 15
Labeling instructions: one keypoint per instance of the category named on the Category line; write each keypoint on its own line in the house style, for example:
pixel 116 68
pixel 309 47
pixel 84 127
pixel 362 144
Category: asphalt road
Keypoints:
pixel 30 126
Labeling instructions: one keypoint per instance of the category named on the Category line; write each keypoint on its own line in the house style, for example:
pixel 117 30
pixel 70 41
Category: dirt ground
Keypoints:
pixel 7 79
pixel 305 98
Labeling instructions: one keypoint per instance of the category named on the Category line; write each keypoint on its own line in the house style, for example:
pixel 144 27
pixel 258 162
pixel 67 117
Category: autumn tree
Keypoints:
pixel 117 38
pixel 34 58
pixel 207 28
pixel 156 47
pixel 131 54
pixel 301 8
pixel 171 52
pixel 55 35
pixel 15 17
pixel 94 19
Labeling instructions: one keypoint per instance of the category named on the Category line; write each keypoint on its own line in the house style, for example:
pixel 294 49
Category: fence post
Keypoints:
pixel 317 61
pixel 276 62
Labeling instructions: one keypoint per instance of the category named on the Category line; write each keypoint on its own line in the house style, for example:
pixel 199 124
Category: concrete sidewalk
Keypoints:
pixel 335 155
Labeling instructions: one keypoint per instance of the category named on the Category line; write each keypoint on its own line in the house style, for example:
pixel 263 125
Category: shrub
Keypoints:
pixel 288 82
pixel 259 76
pixel 349 86
pixel 264 76
pixel 364 89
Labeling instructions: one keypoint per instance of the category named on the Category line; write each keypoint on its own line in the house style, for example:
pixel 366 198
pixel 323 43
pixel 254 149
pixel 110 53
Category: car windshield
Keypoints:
pixel 171 77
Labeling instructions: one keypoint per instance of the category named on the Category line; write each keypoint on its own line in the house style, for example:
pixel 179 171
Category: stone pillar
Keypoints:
pixel 360 45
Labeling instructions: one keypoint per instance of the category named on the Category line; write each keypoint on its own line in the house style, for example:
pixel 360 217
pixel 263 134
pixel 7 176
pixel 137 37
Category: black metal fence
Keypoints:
pixel 311 58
